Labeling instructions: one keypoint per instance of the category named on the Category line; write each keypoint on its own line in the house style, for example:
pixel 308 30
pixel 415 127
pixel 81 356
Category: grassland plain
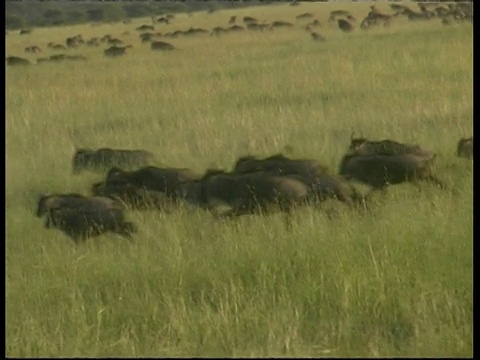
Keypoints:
pixel 396 282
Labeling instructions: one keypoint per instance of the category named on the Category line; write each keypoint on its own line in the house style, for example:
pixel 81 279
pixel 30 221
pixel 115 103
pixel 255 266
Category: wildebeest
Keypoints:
pixel 321 184
pixel 344 25
pixel 83 217
pixel 25 31
pixel 15 60
pixel 279 165
pixel 465 148
pixel 105 158
pixel 161 45
pixel 380 163
pixel 145 28
pixel 131 196
pixel 114 51
pixel 362 146
pixel 249 20
pixel 317 37
pixel 232 20
pixel 280 24
pixel 165 180
pixel 250 193
pixel 74 41
pixel 32 49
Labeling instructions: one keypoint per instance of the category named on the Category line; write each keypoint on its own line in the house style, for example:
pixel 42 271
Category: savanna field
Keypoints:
pixel 396 281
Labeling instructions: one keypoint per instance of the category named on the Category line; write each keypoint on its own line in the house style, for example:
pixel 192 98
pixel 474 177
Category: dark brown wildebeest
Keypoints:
pixel 317 37
pixel 105 38
pixel 113 41
pixel 281 24
pixel 15 60
pixel 321 184
pixel 74 41
pixel 249 20
pixel 32 49
pixel 465 148
pixel 131 196
pixel 145 28
pixel 105 158
pixel 92 42
pixel 249 193
pixel 115 51
pixel 345 25
pixel 82 217
pixel 387 162
pixel 161 45
pixel 162 19
pixel 25 31
pixel 279 165
pixel 165 180
pixel 146 37
pixel 232 20
pixel 362 146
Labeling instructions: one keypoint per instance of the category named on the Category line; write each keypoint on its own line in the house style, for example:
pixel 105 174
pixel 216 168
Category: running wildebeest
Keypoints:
pixel 281 24
pixel 362 146
pixel 15 60
pixel 279 164
pixel 131 196
pixel 232 20
pixel 74 41
pixel 321 184
pixel 165 180
pixel 161 45
pixel 145 28
pixel 32 49
pixel 344 25
pixel 317 37
pixel 82 217
pixel 249 193
pixel 465 148
pixel 249 20
pixel 115 51
pixel 105 158
pixel 387 162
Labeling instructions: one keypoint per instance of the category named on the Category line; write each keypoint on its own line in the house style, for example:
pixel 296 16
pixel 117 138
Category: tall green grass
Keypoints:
pixel 396 282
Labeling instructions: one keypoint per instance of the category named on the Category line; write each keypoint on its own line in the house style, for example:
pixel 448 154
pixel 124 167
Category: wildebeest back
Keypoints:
pixel 105 158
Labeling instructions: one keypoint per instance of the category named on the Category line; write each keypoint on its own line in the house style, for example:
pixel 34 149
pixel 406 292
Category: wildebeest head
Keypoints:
pixel 465 148
pixel 46 203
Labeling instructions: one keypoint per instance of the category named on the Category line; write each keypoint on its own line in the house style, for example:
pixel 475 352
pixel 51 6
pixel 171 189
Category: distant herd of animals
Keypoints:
pixel 448 14
pixel 254 186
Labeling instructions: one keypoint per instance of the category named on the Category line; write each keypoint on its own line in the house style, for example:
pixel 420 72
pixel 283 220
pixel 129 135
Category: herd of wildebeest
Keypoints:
pixel 448 14
pixel 254 186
